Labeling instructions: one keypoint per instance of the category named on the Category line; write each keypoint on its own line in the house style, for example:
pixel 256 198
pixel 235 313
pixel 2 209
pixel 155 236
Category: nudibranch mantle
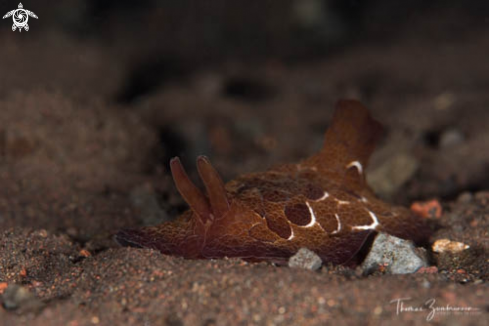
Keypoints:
pixel 322 203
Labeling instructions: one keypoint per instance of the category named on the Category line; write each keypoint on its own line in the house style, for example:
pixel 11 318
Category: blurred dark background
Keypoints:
pixel 157 41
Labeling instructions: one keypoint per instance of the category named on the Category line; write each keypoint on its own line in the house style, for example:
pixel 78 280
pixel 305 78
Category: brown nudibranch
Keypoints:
pixel 322 203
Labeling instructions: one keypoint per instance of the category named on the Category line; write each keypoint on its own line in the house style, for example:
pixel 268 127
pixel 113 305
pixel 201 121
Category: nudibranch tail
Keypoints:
pixel 192 195
pixel 348 144
pixel 352 135
pixel 214 186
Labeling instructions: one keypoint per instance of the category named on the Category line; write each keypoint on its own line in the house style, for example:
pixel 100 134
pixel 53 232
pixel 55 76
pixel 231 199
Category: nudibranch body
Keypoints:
pixel 322 203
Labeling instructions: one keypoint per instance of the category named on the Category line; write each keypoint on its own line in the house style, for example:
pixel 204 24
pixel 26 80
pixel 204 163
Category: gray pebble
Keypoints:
pixel 305 259
pixel 398 256
pixel 19 298
pixel 465 198
pixel 426 284
pixel 394 172
pixel 451 137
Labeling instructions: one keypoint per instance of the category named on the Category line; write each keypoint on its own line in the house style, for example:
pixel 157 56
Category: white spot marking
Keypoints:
pixel 338 229
pixel 375 223
pixel 363 199
pixel 313 216
pixel 341 202
pixel 325 195
pixel 356 164
pixel 291 234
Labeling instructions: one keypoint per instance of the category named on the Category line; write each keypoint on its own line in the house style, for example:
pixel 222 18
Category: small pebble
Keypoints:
pixel 444 101
pixel 451 137
pixel 305 259
pixel 393 256
pixel 389 177
pixel 482 196
pixel 378 310
pixel 445 245
pixel 19 298
pixel 84 253
pixel 427 209
pixel 3 286
pixel 465 198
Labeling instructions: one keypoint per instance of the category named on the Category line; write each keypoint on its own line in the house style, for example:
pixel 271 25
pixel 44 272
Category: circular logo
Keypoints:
pixel 20 18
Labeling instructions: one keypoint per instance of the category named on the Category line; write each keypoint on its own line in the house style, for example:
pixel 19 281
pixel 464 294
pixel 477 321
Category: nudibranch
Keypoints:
pixel 322 203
